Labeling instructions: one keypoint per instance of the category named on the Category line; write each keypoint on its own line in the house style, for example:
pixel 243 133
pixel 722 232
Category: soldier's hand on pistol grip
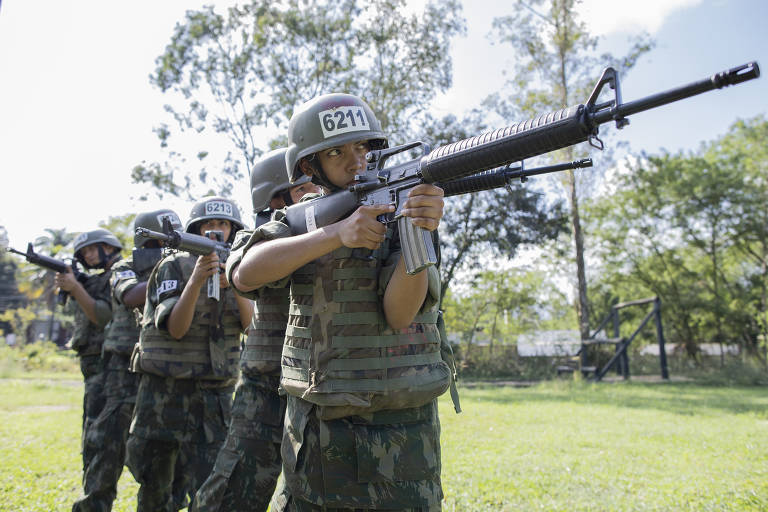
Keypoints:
pixel 205 267
pixel 66 282
pixel 362 229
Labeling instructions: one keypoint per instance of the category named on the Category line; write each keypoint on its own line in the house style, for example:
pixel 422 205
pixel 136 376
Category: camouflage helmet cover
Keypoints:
pixel 153 220
pixel 327 121
pixel 268 177
pixel 95 236
pixel 214 207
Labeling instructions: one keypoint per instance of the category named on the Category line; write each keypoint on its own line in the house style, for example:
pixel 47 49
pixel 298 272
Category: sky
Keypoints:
pixel 77 109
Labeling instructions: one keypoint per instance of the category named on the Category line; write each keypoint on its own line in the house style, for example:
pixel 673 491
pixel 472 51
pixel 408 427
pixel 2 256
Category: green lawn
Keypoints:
pixel 553 446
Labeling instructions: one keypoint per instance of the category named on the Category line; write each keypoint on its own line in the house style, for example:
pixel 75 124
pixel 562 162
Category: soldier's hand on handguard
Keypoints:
pixel 361 229
pixel 205 267
pixel 424 206
pixel 66 281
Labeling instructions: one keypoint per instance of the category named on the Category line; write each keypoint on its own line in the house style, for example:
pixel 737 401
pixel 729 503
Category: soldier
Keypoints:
pixel 247 467
pixel 110 430
pixel 93 249
pixel 187 356
pixel 361 360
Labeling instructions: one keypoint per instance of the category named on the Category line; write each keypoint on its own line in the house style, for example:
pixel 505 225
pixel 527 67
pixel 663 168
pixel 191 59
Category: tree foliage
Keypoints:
pixel 691 229
pixel 240 74
pixel 556 65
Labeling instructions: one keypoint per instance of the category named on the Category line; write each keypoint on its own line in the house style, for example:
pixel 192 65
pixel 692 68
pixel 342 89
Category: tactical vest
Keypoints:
pixel 123 332
pixel 264 344
pixel 87 337
pixel 339 351
pixel 208 351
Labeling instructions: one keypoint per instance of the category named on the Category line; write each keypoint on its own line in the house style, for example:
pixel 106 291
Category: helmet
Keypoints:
pixel 214 207
pixel 94 237
pixel 153 220
pixel 268 178
pixel 327 121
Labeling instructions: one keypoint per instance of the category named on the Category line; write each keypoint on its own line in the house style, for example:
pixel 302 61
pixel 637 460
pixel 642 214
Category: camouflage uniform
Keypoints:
pixel 87 340
pixel 356 450
pixel 248 465
pixel 185 392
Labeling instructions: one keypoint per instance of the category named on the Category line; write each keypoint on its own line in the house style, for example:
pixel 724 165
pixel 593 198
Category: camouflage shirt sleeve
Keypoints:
pixel 244 240
pixel 102 296
pixel 123 279
pixel 164 290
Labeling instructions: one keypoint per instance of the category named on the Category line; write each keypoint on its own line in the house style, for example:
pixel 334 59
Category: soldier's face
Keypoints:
pixel 299 191
pixel 90 254
pixel 222 225
pixel 342 163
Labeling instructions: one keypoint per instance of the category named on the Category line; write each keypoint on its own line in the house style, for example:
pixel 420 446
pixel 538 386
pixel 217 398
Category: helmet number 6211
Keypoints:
pixel 342 120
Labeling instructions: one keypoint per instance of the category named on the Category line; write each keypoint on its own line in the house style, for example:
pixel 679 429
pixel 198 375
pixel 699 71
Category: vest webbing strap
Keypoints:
pixel 183 345
pixel 264 341
pixel 200 357
pixel 298 332
pixel 355 273
pixel 261 356
pixel 300 309
pixel 383 363
pixel 363 318
pixel 342 253
pixel 375 385
pixel 302 289
pixel 269 326
pixel 355 296
pixel 389 340
pixel 271 308
pixel 300 374
pixel 296 352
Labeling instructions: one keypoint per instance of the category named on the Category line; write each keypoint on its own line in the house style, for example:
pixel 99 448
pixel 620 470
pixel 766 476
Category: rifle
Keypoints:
pixel 193 244
pixel 542 134
pixel 52 264
pixel 502 177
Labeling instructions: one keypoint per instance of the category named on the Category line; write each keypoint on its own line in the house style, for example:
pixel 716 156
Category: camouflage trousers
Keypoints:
pixel 387 460
pixel 282 501
pixel 177 430
pixel 248 465
pixel 106 437
pixel 94 399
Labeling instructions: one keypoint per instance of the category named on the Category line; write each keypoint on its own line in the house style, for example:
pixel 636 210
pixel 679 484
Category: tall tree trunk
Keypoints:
pixel 582 305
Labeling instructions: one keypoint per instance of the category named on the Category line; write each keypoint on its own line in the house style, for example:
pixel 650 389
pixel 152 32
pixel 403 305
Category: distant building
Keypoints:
pixel 548 343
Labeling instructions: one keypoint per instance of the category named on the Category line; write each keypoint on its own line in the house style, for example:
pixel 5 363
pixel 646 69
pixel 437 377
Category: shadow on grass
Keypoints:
pixel 686 398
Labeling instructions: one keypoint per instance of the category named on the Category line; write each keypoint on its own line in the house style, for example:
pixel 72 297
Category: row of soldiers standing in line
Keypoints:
pixel 349 339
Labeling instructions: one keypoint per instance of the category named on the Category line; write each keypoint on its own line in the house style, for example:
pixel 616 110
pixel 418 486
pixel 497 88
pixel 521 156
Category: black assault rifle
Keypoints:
pixel 52 264
pixel 542 134
pixel 193 244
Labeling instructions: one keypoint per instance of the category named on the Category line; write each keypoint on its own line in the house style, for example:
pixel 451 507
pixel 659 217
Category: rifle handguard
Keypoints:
pixel 417 246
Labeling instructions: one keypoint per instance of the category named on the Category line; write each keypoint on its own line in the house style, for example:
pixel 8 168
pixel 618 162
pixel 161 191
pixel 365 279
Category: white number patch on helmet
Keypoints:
pixel 342 120
pixel 218 208
pixel 175 222
pixel 82 237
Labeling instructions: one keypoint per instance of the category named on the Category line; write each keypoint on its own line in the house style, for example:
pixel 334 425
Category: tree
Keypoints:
pixel 240 75
pixel 681 226
pixel 557 65
pixel 10 296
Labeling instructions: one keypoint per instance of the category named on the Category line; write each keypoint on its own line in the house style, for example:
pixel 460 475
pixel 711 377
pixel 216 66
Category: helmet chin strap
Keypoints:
pixel 319 177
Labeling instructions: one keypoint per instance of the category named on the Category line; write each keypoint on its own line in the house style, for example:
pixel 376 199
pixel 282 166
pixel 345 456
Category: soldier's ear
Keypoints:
pixel 306 167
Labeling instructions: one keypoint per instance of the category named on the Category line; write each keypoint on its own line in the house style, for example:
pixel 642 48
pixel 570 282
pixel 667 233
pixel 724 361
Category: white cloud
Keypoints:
pixel 610 16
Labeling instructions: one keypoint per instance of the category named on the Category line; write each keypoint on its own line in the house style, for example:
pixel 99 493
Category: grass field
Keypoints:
pixel 552 446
